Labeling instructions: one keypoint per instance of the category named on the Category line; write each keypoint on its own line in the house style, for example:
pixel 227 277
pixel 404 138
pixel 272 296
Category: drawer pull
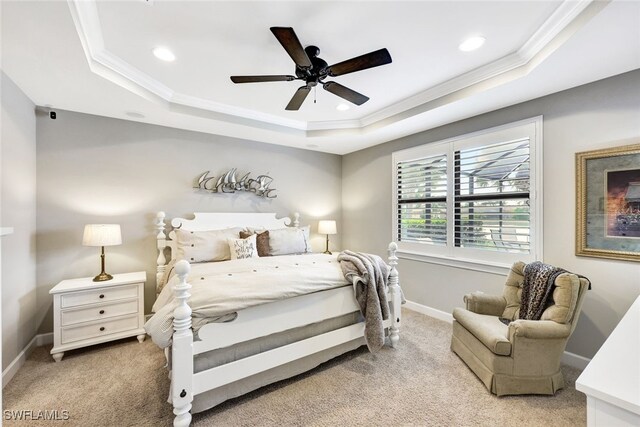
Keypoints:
pixel 101 328
pixel 101 311
pixel 101 296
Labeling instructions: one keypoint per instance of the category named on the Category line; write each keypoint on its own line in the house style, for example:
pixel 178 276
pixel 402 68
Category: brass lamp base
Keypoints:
pixel 327 251
pixel 102 277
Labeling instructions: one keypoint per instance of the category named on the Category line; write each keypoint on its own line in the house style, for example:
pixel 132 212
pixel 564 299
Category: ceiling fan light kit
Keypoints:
pixel 313 70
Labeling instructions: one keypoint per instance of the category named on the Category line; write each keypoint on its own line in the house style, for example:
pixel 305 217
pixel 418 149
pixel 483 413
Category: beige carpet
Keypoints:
pixel 420 383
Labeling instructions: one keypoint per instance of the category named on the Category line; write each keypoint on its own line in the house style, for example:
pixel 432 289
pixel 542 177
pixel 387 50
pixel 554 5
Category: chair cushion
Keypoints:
pixel 513 291
pixel 562 301
pixel 489 330
pixel 565 297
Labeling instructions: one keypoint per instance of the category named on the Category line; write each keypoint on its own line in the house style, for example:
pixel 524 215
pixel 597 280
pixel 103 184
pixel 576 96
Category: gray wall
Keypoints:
pixel 598 115
pixel 18 210
pixel 94 169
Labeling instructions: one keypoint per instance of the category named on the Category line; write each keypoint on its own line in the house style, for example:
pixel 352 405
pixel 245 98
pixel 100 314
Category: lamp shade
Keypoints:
pixel 327 227
pixel 102 235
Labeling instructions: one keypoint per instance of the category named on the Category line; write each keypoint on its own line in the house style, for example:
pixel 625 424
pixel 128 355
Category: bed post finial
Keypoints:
pixel 161 238
pixel 296 219
pixel 182 349
pixel 396 296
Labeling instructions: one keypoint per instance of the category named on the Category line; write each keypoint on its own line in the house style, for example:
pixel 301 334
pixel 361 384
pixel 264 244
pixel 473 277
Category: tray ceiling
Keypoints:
pixel 107 48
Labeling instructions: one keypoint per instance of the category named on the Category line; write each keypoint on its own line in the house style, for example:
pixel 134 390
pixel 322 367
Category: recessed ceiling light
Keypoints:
pixel 343 107
pixel 472 43
pixel 164 54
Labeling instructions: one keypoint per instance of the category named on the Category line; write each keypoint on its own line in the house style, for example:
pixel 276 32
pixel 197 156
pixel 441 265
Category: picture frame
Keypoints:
pixel 608 203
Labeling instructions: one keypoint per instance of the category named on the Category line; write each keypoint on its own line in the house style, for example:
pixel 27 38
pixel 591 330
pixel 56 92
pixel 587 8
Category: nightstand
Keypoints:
pixel 87 312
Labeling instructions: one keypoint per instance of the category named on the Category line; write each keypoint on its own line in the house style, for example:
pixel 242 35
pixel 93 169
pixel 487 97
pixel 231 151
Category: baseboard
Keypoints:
pixel 429 311
pixel 568 358
pixel 575 360
pixel 44 339
pixel 16 364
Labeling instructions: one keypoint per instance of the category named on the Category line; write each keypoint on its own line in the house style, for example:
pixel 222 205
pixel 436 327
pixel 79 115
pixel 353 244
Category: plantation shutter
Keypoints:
pixel 491 197
pixel 422 200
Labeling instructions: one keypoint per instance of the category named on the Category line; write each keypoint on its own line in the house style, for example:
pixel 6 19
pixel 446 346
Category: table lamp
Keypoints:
pixel 327 227
pixel 102 235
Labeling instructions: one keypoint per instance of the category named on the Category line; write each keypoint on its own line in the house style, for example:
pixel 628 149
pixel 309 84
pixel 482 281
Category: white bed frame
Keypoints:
pixel 253 322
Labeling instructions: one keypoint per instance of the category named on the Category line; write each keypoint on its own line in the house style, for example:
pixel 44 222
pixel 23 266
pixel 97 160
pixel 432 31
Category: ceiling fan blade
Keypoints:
pixel 289 41
pixel 345 93
pixel 362 62
pixel 259 79
pixel 298 98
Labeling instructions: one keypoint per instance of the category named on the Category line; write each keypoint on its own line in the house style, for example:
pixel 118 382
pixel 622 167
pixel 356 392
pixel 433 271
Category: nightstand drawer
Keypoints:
pixel 73 299
pixel 103 311
pixel 77 333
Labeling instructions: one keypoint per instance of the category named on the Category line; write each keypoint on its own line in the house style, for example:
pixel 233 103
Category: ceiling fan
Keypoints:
pixel 313 70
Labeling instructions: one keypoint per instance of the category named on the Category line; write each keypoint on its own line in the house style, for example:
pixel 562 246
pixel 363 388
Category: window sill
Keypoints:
pixel 465 264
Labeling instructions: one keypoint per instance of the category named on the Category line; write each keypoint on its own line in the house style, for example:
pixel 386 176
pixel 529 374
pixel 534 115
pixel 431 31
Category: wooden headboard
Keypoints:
pixel 212 221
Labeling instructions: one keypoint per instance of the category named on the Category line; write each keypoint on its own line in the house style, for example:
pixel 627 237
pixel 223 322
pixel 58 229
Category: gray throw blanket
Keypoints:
pixel 539 280
pixel 369 275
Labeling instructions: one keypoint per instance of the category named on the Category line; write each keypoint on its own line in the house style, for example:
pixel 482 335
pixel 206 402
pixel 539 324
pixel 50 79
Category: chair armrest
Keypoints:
pixel 538 329
pixel 485 304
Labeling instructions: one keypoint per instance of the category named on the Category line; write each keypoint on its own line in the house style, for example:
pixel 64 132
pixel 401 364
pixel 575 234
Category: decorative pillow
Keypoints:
pixel 204 246
pixel 262 240
pixel 243 248
pixel 287 241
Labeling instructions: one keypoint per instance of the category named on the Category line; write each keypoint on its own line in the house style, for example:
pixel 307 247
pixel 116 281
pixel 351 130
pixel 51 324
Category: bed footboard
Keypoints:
pixel 396 296
pixel 182 350
pixel 185 384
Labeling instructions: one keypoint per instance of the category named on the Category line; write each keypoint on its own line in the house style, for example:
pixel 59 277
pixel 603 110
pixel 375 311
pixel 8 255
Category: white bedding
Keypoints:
pixel 219 289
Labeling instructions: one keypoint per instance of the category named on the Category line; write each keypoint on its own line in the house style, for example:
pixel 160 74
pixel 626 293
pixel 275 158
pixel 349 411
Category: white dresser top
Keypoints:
pixel 86 283
pixel 613 375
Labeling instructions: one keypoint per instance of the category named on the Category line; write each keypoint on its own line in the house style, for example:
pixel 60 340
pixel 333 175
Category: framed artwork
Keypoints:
pixel 608 203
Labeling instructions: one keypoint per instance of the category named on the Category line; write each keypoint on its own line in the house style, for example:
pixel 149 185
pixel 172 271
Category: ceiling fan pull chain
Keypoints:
pixel 315 94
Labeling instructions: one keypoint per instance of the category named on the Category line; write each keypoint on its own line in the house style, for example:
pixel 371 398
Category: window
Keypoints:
pixel 473 197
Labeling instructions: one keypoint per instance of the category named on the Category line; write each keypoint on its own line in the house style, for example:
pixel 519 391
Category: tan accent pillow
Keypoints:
pixel 262 241
pixel 205 246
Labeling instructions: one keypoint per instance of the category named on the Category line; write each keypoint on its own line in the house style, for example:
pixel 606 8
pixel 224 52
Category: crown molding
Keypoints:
pixel 561 24
pixel 559 20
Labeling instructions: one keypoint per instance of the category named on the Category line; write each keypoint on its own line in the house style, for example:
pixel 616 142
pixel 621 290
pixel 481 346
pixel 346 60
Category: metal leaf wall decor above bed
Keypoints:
pixel 228 183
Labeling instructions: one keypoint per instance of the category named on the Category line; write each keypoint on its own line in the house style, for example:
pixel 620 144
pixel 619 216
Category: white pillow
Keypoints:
pixel 205 246
pixel 167 275
pixel 243 248
pixel 290 240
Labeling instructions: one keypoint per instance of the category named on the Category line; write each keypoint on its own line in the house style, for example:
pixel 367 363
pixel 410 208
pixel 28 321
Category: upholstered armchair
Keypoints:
pixel 524 356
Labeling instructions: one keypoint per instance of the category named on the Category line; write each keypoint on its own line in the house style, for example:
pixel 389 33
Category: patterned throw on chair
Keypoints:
pixel 538 282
